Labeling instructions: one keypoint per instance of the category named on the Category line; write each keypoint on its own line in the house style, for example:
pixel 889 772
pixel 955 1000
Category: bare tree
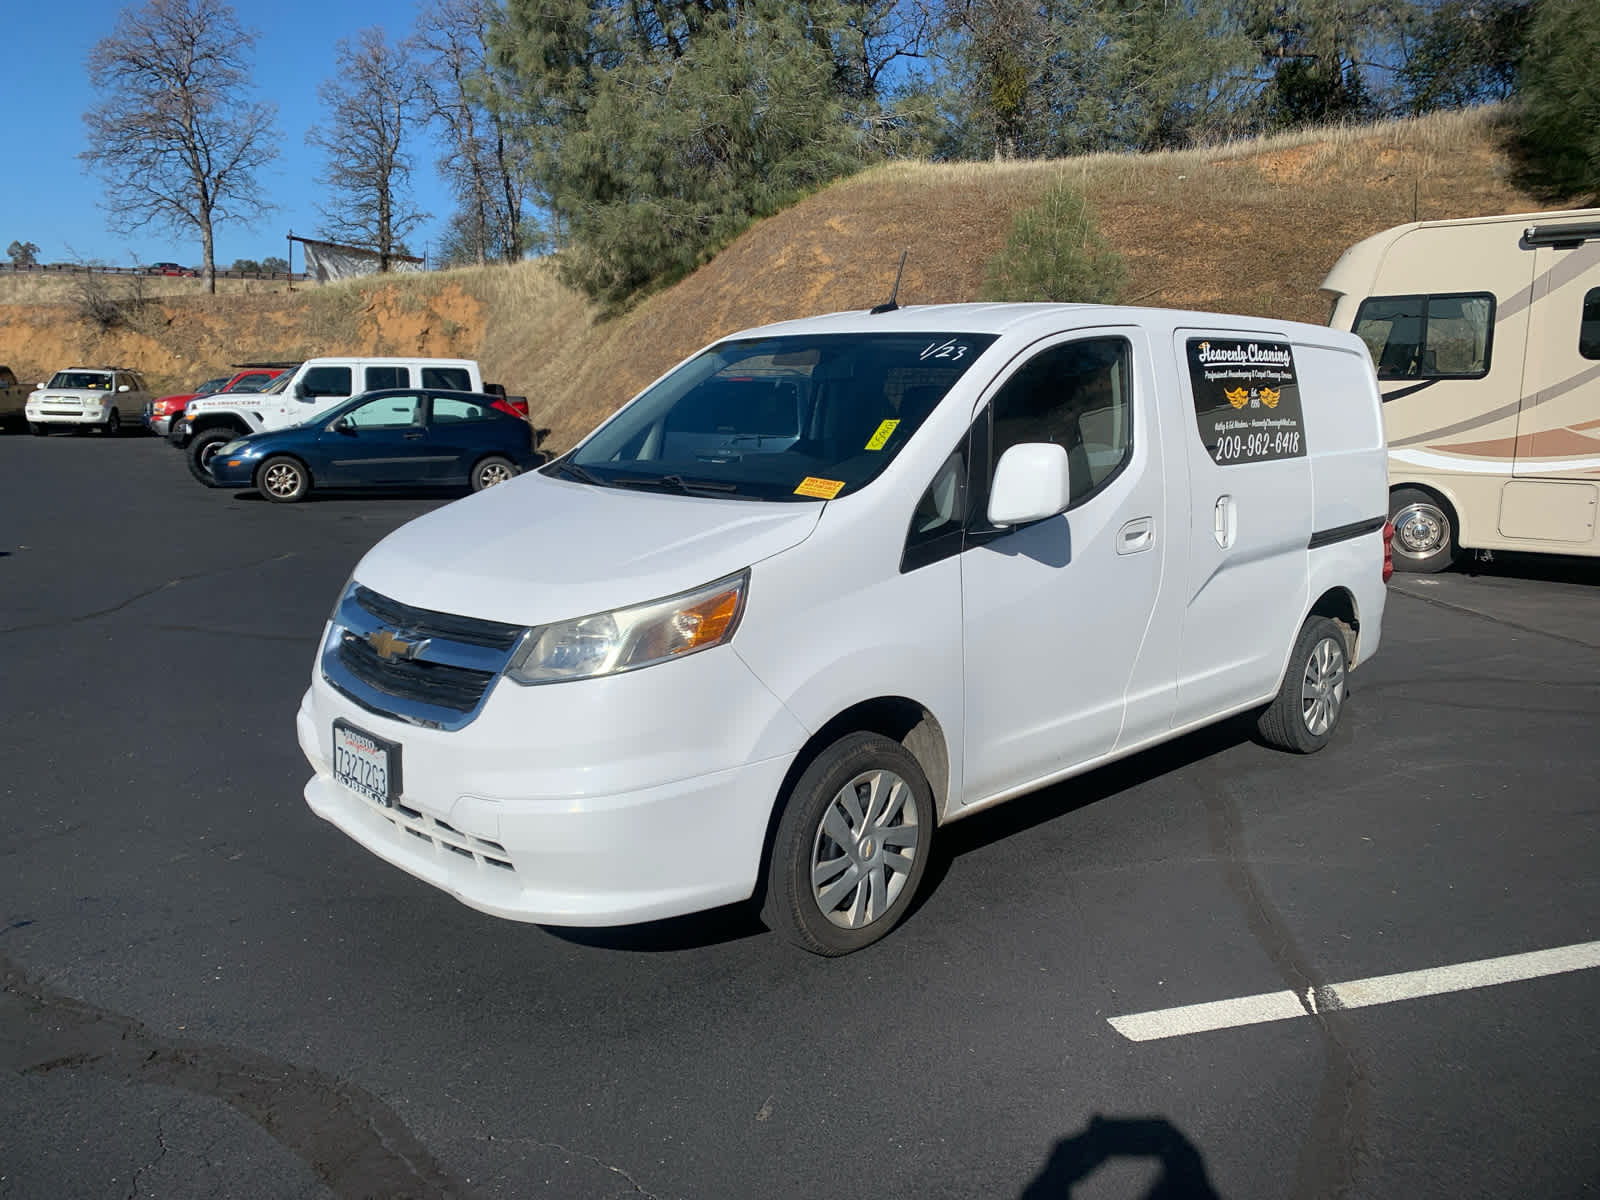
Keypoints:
pixel 487 154
pixel 374 103
pixel 175 136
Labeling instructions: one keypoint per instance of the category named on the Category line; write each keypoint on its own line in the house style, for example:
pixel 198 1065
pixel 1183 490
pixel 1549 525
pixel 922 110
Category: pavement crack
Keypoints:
pixel 142 595
pixel 356 1144
pixel 568 1150
pixel 161 1141
pixel 1518 626
pixel 1334 1144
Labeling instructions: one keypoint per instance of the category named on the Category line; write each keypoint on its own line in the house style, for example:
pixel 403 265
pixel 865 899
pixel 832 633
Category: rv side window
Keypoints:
pixel 1428 337
pixel 1589 331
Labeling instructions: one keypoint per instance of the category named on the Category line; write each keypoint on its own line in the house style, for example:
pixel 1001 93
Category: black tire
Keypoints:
pixel 282 479
pixel 825 821
pixel 202 448
pixel 1426 533
pixel 1305 713
pixel 487 472
pixel 113 425
pixel 38 430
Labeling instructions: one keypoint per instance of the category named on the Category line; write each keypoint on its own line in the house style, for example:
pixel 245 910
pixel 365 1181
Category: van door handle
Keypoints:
pixel 1225 521
pixel 1138 534
pixel 413 437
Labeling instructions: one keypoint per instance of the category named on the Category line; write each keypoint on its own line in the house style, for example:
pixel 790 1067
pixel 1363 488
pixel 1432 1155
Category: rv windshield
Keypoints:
pixel 806 417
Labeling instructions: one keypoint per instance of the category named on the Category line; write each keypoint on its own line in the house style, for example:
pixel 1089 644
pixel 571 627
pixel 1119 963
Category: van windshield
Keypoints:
pixel 806 417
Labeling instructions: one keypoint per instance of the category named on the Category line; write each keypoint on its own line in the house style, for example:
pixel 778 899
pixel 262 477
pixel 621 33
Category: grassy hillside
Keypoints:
pixel 1251 227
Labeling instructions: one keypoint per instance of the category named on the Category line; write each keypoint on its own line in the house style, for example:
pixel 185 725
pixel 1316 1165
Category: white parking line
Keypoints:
pixel 1358 993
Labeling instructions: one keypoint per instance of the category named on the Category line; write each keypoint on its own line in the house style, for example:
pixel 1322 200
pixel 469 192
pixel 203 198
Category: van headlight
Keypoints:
pixel 629 638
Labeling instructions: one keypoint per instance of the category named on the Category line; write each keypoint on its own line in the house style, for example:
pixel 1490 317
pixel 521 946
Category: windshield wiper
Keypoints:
pixel 579 473
pixel 687 486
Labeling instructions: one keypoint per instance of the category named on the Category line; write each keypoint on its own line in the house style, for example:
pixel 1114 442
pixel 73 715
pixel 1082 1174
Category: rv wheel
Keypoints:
pixel 1424 531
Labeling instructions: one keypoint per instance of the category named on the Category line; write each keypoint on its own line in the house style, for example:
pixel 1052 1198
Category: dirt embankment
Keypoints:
pixel 1249 228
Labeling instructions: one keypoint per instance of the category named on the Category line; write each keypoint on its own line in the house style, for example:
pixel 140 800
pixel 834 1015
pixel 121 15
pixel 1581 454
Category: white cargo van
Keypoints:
pixel 1486 336
pixel 315 386
pixel 932 559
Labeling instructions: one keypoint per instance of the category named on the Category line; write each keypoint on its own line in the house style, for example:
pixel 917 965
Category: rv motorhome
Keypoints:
pixel 1486 336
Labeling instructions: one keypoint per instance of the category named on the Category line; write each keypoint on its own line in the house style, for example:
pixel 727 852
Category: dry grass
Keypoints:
pixel 1246 227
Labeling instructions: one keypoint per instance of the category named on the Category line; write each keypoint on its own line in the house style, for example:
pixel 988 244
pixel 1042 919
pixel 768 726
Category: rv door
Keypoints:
pixel 1557 473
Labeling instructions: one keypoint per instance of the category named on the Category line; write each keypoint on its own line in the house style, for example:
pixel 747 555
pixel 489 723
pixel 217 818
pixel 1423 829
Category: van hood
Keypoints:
pixel 537 549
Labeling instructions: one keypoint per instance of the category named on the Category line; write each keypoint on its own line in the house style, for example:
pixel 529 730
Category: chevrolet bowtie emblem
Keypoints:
pixel 390 647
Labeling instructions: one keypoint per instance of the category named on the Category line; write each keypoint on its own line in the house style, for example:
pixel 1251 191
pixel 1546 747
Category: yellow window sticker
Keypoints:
pixel 884 431
pixel 821 489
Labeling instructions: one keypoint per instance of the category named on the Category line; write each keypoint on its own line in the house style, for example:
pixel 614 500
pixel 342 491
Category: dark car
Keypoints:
pixel 401 437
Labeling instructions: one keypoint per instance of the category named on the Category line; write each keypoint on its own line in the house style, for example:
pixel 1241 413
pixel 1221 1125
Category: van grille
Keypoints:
pixel 414 664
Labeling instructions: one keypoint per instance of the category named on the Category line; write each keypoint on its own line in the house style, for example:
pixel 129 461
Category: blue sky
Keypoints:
pixel 47 197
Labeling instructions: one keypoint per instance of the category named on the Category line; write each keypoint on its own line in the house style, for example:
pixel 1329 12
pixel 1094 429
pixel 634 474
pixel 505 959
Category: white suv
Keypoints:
pixel 100 397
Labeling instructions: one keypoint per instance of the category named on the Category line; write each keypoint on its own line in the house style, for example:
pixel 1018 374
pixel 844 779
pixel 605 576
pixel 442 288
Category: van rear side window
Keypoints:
pixel 1589 331
pixel 1428 337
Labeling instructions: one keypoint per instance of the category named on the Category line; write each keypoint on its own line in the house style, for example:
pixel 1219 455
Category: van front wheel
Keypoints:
pixel 851 848
pixel 1311 700
pixel 1424 531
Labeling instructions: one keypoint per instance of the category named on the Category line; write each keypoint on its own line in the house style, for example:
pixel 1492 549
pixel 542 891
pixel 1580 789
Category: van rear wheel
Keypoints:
pixel 851 848
pixel 1306 711
pixel 1424 531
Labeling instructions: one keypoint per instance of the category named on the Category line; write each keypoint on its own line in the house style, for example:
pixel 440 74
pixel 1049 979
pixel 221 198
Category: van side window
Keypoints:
pixel 447 379
pixel 1079 396
pixel 1589 331
pixel 326 381
pixel 1428 337
pixel 385 377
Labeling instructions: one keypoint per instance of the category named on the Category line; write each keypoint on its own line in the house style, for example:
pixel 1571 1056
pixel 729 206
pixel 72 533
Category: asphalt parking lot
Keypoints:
pixel 210 992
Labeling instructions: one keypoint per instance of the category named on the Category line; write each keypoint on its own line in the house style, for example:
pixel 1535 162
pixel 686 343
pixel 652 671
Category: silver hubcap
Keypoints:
pixel 493 473
pixel 1322 690
pixel 282 480
pixel 1420 530
pixel 864 849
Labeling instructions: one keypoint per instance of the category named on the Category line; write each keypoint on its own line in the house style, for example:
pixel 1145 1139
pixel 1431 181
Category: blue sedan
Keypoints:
pixel 395 438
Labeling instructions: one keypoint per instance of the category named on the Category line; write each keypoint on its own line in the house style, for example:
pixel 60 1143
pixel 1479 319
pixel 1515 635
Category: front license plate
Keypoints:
pixel 367 765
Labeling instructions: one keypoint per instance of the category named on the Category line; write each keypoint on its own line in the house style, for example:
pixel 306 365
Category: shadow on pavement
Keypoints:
pixel 1076 1158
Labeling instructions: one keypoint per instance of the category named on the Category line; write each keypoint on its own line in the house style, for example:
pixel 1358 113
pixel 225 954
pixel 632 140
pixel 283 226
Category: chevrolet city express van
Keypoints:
pixel 831 584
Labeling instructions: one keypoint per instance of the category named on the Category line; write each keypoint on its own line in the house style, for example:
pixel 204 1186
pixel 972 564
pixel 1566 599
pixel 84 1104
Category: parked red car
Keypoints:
pixel 158 417
pixel 171 268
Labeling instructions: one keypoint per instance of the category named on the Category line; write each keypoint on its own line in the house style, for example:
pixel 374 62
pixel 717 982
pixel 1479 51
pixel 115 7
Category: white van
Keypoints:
pixel 314 387
pixel 1486 336
pixel 1005 544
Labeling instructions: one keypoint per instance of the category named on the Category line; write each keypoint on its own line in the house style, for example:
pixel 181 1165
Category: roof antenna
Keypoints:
pixel 889 305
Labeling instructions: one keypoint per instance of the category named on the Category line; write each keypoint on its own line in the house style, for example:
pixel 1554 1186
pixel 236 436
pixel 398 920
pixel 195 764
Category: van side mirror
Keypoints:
pixel 1032 481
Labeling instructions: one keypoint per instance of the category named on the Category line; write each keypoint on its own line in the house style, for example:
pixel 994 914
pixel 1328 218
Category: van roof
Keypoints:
pixel 1012 318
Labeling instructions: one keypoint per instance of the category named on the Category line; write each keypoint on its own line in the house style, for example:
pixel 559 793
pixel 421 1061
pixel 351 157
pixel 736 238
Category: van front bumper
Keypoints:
pixel 576 803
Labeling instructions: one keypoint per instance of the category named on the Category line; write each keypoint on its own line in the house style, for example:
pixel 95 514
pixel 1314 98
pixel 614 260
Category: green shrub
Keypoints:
pixel 1055 254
